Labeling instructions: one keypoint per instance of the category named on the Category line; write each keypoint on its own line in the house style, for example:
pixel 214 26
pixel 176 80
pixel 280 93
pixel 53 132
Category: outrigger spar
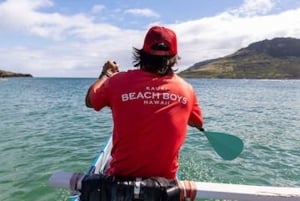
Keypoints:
pixel 188 189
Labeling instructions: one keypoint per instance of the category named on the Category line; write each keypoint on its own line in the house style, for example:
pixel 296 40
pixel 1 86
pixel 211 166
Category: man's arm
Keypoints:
pixel 93 87
pixel 110 68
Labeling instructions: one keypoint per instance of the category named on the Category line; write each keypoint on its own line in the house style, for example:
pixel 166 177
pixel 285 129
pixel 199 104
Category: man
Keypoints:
pixel 151 108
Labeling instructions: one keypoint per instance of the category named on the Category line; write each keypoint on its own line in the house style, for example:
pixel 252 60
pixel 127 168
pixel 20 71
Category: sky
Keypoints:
pixel 74 38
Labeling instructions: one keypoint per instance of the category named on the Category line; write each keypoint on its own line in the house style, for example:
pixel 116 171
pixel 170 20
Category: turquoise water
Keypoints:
pixel 45 127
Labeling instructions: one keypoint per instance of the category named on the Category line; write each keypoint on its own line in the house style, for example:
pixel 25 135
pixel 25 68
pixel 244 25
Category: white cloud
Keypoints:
pixel 255 7
pixel 98 8
pixel 24 16
pixel 142 12
pixel 223 34
pixel 77 46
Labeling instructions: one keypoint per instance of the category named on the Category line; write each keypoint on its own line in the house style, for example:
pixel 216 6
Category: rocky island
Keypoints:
pixel 13 74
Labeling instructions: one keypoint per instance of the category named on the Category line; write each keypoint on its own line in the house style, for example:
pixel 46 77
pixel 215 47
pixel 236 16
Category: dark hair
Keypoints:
pixel 161 65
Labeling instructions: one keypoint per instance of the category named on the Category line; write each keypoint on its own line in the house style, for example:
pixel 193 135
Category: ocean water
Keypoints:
pixel 45 127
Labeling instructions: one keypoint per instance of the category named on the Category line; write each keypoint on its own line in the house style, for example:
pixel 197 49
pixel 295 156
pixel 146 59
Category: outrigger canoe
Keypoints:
pixel 188 189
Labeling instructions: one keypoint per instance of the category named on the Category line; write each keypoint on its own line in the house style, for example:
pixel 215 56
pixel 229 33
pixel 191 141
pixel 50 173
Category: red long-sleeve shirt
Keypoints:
pixel 150 116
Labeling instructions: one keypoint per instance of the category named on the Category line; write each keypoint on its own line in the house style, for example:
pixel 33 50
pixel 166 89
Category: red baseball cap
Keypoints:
pixel 160 41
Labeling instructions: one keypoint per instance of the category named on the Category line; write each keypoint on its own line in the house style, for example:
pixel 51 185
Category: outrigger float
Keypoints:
pixel 85 187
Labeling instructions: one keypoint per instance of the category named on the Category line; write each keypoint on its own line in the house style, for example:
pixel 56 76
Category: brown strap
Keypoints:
pixel 74 180
pixel 188 189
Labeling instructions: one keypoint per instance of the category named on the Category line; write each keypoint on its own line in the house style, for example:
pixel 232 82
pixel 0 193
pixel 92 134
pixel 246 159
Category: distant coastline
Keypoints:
pixel 4 74
pixel 278 58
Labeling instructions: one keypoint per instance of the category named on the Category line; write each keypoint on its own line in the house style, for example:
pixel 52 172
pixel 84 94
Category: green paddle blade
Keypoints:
pixel 226 145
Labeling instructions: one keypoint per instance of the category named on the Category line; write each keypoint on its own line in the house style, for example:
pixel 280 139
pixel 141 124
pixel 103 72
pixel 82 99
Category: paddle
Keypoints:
pixel 226 145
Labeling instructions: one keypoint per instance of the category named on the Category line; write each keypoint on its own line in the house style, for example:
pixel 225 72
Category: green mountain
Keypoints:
pixel 278 58
pixel 12 74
